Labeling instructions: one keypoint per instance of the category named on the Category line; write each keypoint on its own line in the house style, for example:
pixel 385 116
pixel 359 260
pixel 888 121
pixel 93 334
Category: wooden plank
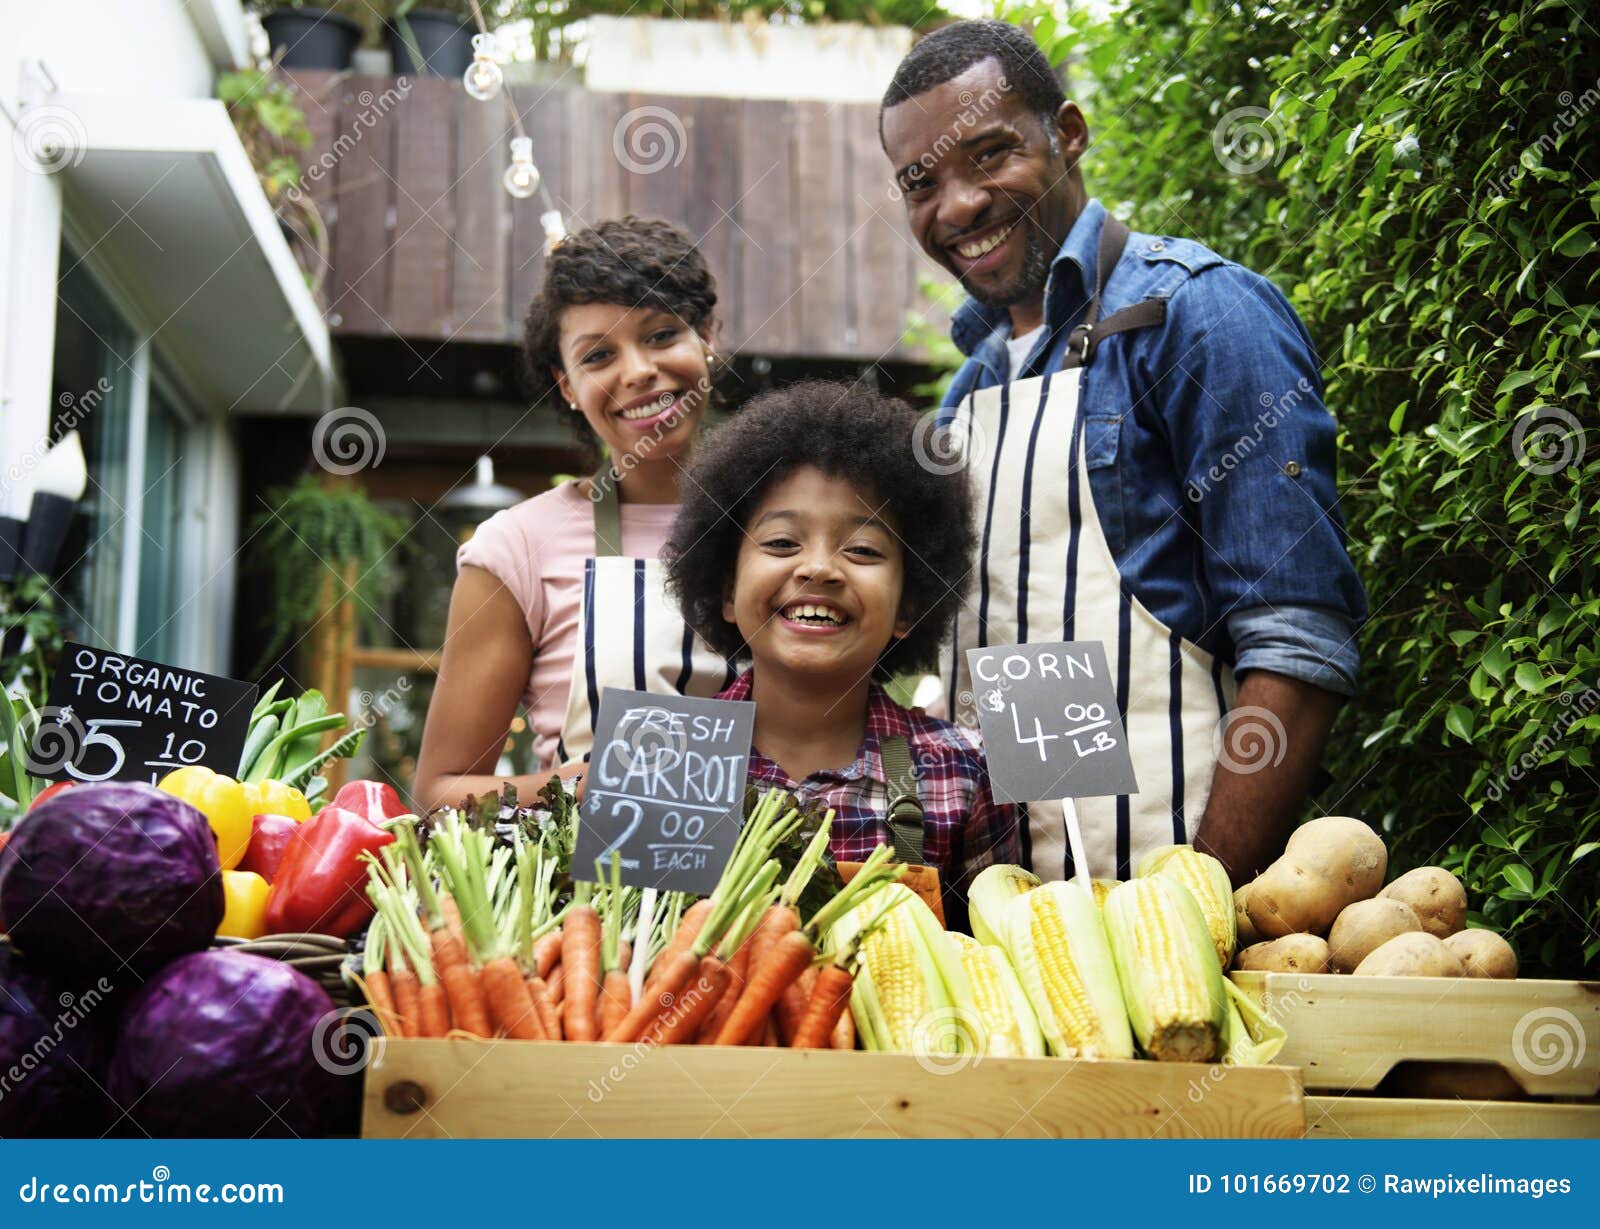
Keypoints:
pixel 1413 1118
pixel 711 220
pixel 877 247
pixel 822 228
pixel 544 1090
pixel 769 278
pixel 423 661
pixel 656 147
pixel 599 190
pixel 419 288
pixel 544 115
pixel 1349 1032
pixel 480 256
pixel 358 294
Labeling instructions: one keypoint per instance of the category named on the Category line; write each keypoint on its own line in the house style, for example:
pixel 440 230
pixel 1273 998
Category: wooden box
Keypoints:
pixel 530 1089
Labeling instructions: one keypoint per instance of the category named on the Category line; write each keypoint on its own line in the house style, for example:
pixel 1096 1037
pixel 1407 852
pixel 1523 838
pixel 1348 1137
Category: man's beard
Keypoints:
pixel 1030 280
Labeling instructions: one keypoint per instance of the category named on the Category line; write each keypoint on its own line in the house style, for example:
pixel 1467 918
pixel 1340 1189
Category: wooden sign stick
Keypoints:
pixel 1080 855
pixel 641 941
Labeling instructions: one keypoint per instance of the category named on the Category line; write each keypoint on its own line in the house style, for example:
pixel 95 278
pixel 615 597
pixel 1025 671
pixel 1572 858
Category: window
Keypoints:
pixel 161 546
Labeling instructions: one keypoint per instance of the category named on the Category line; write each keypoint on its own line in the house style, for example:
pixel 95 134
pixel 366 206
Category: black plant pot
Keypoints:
pixel 312 38
pixel 444 40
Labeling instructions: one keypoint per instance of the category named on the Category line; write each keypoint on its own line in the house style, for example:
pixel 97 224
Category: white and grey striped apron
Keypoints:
pixel 1046 572
pixel 630 633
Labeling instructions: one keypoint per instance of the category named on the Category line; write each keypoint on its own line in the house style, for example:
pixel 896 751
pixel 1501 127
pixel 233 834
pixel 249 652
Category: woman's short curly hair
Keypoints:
pixel 632 262
pixel 878 444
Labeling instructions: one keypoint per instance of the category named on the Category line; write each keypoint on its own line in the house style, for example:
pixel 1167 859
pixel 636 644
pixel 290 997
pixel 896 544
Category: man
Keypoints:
pixel 1154 463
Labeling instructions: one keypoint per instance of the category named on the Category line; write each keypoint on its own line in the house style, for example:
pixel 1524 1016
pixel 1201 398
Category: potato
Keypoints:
pixel 1483 953
pixel 1328 863
pixel 1366 925
pixel 1241 917
pixel 1417 954
pixel 1290 954
pixel 1436 895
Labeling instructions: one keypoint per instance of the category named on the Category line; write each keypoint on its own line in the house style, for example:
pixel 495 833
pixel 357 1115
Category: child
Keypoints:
pixel 817 540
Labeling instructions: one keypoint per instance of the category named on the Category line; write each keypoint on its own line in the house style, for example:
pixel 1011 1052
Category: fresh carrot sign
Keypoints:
pixel 665 789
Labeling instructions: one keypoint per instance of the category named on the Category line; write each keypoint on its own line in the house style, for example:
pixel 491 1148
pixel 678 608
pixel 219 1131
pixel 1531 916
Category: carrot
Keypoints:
pixel 379 985
pixel 792 1005
pixel 616 997
pixel 434 1010
pixel 828 1000
pixel 549 1017
pixel 580 956
pixel 789 957
pixel 510 1005
pixel 452 919
pixel 469 1009
pixel 407 997
pixel 665 994
pixel 556 986
pixel 547 951
pixel 844 1032
pixel 768 1035
pixel 448 949
pixel 738 966
pixel 684 938
pixel 690 1012
pixel 783 918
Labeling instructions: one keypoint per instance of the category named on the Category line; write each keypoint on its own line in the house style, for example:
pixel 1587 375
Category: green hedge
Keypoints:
pixel 1422 182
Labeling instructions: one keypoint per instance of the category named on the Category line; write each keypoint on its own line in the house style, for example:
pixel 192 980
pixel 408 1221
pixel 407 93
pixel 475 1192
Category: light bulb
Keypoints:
pixel 522 177
pixel 555 230
pixel 483 77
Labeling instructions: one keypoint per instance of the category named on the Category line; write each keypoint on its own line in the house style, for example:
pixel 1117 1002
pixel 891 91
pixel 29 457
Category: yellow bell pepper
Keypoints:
pixel 222 801
pixel 244 914
pixel 275 798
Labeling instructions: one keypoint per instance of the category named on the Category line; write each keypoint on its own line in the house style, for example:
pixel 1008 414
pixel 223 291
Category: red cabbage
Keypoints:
pixel 220 1043
pixel 111 878
pixel 53 1052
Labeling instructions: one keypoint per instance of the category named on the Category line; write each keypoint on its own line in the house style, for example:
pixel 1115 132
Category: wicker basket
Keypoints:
pixel 322 958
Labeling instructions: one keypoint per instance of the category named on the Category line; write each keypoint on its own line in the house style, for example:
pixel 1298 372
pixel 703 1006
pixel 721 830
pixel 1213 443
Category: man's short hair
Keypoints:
pixel 951 50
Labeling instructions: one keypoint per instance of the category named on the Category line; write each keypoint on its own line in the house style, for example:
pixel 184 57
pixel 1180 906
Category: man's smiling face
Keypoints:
pixel 986 181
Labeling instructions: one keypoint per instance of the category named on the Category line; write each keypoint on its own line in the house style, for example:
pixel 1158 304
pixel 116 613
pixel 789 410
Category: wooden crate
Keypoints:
pixel 1352 1117
pixel 523 1089
pixel 1349 1033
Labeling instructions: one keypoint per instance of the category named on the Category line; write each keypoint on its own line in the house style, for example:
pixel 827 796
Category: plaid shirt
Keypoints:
pixel 964 828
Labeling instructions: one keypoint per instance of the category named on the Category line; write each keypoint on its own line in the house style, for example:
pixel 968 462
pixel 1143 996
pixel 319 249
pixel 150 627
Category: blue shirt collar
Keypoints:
pixel 1072 273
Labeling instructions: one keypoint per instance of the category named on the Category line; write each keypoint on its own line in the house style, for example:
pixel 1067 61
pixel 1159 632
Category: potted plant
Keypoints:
pixel 311 36
pixel 438 37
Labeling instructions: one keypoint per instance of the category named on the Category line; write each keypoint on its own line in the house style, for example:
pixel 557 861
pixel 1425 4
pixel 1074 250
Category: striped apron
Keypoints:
pixel 1045 572
pixel 630 633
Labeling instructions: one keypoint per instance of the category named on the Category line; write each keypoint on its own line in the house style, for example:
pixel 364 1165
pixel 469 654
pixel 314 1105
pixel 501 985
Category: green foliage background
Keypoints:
pixel 1426 189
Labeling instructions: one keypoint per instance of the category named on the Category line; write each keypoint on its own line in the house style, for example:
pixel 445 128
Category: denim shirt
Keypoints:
pixel 1210 453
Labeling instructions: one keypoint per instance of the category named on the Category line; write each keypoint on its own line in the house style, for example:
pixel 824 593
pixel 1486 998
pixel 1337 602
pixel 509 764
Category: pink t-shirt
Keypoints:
pixel 537 550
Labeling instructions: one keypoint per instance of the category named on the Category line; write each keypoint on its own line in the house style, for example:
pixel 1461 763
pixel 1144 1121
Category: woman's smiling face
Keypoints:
pixel 819 579
pixel 638 375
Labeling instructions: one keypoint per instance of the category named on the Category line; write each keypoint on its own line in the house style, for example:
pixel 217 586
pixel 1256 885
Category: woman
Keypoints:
pixel 561 596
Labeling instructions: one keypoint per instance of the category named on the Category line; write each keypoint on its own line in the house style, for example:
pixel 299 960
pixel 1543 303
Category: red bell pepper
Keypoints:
pixel 269 842
pixel 49 791
pixel 321 883
pixel 372 799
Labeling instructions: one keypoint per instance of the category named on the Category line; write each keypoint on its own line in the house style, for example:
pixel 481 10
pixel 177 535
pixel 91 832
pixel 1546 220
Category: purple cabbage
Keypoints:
pixel 220 1043
pixel 107 878
pixel 54 1050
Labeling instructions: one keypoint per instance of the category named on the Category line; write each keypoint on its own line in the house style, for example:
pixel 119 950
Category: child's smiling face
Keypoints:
pixel 819 578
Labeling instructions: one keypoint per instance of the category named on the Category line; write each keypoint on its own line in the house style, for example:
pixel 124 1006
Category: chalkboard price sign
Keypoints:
pixel 1051 726
pixel 111 717
pixel 665 789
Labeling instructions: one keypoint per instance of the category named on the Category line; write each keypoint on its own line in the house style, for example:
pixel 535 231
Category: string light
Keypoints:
pixel 483 77
pixel 555 230
pixel 521 177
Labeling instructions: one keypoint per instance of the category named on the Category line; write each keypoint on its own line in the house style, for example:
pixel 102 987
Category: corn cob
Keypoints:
pixel 1208 882
pixel 989 896
pixel 1171 981
pixel 1101 889
pixel 910 980
pixel 1057 944
pixel 1002 1019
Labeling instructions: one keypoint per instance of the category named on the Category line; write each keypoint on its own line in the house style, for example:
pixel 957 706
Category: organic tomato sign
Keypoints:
pixel 111 717
pixel 665 789
pixel 1051 725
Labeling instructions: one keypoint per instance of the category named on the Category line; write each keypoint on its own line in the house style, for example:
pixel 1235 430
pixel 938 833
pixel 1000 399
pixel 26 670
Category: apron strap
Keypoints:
pixel 607 515
pixel 1151 313
pixel 905 810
